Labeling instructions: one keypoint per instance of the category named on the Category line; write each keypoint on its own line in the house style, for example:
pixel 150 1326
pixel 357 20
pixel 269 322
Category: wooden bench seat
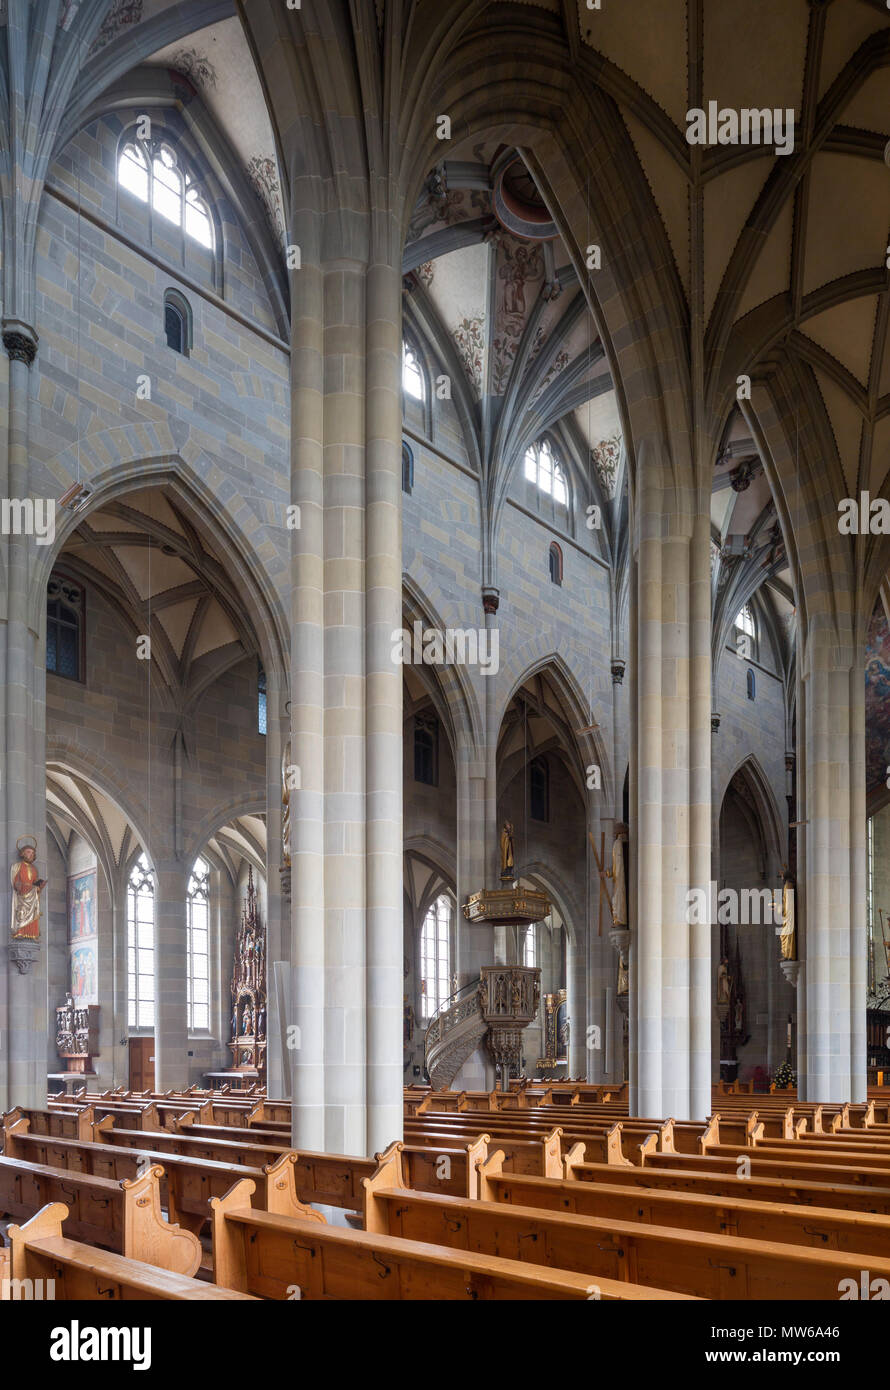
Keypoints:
pixel 274 1256
pixel 187 1183
pixel 39 1250
pixel 722 1180
pixel 766 1165
pixel 124 1215
pixel 679 1260
pixel 791 1224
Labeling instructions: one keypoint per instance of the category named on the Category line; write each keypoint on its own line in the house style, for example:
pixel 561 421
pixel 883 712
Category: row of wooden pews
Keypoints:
pixel 546 1191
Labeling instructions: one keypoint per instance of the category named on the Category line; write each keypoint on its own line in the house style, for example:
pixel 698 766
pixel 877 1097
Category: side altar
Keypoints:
pixel 248 1021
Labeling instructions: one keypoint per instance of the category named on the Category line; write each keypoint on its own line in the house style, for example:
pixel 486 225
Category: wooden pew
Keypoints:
pixel 280 1257
pixel 40 1250
pixel 66 1122
pixel 722 1180
pixel 764 1165
pixel 662 1257
pixel 734 1215
pixel 123 1215
pixel 187 1183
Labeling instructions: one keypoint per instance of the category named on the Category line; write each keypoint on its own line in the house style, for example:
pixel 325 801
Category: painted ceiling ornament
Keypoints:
pixel 439 206
pixel 520 267
pixel 517 203
pixel 122 15
pixel 606 458
pixel 262 172
pixel 740 476
pixel 469 336
pixel 196 67
pixel 559 364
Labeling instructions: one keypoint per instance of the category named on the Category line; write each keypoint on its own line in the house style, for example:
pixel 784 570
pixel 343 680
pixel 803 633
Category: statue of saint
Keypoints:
pixel 788 934
pixel 507 850
pixel 515 995
pixel 724 983
pixel 26 890
pixel 618 897
pixel 285 805
pixel 623 978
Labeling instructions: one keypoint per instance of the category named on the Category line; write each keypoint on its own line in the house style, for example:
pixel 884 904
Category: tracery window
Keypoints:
pixel 435 957
pixel 261 699
pixel 64 627
pixel 543 469
pixel 153 172
pixel 412 373
pixel 199 946
pixel 141 946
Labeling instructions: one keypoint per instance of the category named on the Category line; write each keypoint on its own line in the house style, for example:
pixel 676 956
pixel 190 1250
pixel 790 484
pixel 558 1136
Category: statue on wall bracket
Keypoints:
pixel 26 889
pixel 788 933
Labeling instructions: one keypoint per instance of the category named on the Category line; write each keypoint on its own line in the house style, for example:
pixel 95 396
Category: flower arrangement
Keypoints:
pixel 784 1076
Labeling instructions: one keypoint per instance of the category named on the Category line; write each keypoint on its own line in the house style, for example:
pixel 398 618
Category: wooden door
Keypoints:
pixel 142 1064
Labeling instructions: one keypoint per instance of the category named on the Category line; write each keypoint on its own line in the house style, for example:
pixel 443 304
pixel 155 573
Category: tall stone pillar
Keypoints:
pixel 346 702
pixel 25 1040
pixel 171 974
pixel 834 945
pixel 301 1024
pixel 383 713
pixel 673 1031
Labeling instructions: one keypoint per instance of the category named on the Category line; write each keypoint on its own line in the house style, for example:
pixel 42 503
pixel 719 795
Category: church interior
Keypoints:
pixel 445 650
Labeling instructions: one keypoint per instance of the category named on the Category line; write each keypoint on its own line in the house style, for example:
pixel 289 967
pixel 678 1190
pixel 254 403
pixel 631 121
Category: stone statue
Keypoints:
pixel 618 897
pixel 26 890
pixel 285 805
pixel 507 862
pixel 500 995
pixel 739 1017
pixel 788 934
pixel 724 983
pixel 623 978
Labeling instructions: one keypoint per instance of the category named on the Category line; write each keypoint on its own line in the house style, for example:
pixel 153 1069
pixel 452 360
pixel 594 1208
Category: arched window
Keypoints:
pixel 199 947
pixel 407 469
pixel 542 469
pixel 64 627
pixel 177 322
pixel 555 564
pixel 752 685
pixel 539 789
pixel 745 634
pixel 153 172
pixel 435 957
pixel 530 946
pixel 412 374
pixel 745 621
pixel 261 697
pixel 141 946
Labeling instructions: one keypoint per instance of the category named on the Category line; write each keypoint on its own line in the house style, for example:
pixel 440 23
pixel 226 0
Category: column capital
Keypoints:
pixel 491 599
pixel 20 341
pixel 618 669
pixel 715 722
